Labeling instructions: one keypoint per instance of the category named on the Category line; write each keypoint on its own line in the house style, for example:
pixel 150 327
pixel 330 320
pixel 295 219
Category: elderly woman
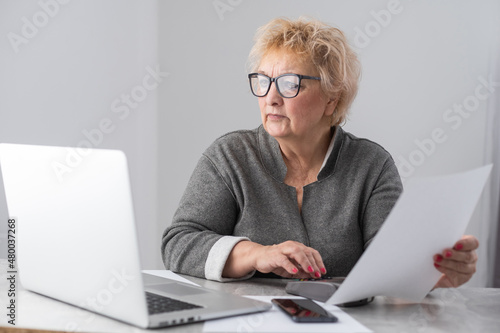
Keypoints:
pixel 298 196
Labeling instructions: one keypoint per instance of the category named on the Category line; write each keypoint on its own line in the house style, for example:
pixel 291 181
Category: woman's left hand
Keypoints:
pixel 457 264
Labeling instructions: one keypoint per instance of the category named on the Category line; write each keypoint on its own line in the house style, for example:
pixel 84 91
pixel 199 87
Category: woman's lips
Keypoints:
pixel 272 116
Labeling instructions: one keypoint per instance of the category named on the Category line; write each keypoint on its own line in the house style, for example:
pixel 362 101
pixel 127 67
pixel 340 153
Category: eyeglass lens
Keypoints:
pixel 288 84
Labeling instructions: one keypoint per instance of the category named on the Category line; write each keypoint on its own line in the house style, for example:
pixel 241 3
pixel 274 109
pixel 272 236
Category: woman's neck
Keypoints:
pixel 306 156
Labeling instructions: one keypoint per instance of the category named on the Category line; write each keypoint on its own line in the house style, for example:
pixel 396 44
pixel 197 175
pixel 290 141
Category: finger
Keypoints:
pixel 466 243
pixel 304 257
pixel 455 266
pixel 284 273
pixel 451 278
pixel 305 263
pixel 302 273
pixel 461 256
pixel 285 264
pixel 296 253
pixel 319 262
pixel 314 266
pixel 273 260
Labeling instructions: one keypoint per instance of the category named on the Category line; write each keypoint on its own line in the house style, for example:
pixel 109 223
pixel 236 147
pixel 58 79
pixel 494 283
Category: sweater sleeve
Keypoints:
pixel 200 239
pixel 384 195
pixel 217 258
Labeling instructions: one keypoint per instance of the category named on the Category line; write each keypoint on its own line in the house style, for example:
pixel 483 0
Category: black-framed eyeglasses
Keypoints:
pixel 288 85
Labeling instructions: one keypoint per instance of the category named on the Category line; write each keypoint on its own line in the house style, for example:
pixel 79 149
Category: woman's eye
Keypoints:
pixel 289 85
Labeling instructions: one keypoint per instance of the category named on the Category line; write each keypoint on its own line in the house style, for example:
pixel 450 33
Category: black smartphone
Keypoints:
pixel 304 310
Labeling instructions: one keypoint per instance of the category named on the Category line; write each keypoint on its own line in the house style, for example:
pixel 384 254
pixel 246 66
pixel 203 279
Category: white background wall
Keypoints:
pixel 418 62
pixel 64 80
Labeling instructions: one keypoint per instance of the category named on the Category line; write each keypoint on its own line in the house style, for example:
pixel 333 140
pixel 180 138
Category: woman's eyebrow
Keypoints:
pixel 282 72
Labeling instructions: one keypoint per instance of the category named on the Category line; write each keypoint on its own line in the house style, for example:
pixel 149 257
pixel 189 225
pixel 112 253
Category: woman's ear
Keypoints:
pixel 331 105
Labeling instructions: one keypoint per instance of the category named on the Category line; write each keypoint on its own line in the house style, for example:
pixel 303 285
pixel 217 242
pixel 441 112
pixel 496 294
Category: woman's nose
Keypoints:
pixel 273 97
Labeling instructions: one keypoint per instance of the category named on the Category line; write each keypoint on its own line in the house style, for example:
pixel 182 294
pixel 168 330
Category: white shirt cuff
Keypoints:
pixel 217 258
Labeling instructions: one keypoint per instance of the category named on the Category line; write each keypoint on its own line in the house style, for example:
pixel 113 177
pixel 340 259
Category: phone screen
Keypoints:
pixel 304 310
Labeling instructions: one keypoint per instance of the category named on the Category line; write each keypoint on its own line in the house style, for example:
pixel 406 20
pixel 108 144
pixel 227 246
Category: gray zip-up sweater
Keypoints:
pixel 237 192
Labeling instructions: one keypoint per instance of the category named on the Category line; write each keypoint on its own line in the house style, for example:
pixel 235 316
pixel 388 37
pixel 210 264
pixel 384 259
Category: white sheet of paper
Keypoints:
pixel 169 275
pixel 275 320
pixel 430 215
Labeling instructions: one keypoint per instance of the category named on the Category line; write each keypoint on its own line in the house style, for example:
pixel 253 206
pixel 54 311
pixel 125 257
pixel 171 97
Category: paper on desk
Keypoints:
pixel 276 321
pixel 169 275
pixel 429 216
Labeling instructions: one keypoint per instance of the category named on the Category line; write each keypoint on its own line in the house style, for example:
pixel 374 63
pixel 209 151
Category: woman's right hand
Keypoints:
pixel 289 259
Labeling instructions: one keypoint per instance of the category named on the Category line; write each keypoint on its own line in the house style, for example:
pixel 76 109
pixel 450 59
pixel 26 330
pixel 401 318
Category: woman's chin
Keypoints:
pixel 276 130
pixel 276 133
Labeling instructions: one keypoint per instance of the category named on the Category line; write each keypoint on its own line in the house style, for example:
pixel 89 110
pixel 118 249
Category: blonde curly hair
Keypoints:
pixel 323 45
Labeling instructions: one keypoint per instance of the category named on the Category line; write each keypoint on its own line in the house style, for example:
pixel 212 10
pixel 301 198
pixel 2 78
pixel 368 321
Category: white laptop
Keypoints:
pixel 77 243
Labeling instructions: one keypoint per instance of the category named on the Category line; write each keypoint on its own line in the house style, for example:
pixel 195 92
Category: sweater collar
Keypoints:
pixel 272 159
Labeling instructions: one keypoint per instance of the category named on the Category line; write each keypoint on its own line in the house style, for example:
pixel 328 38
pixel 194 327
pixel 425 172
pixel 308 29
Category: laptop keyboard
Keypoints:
pixel 161 304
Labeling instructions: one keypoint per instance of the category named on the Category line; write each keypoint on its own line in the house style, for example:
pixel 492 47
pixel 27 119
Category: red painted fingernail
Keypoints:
pixel 447 254
pixel 459 246
pixel 439 258
pixel 437 265
pixel 323 270
pixel 294 270
pixel 317 274
pixel 310 269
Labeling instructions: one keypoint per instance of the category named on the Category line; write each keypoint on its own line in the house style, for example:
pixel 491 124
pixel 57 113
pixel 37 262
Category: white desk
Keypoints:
pixel 444 310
